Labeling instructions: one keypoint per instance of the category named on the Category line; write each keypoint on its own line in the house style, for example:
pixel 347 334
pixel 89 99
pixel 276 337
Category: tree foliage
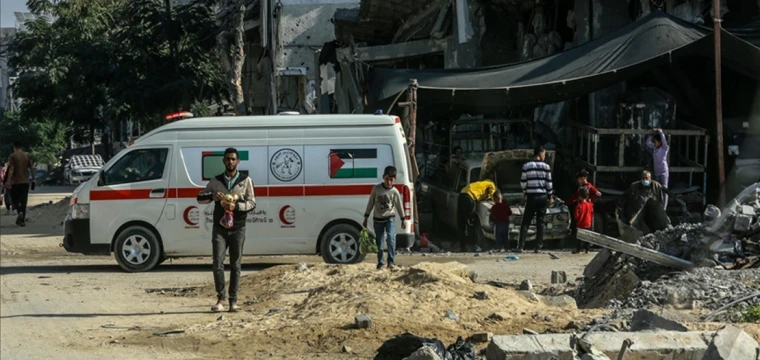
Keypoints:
pixel 89 63
pixel 42 139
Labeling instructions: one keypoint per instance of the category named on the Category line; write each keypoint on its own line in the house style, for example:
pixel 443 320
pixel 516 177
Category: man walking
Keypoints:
pixel 536 183
pixel 658 143
pixel 237 187
pixel 19 169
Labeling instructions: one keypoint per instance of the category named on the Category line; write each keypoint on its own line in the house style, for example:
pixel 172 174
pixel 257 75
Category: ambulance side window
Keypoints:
pixel 136 166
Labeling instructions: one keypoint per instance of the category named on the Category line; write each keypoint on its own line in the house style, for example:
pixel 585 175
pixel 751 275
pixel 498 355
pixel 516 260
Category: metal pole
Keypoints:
pixel 412 99
pixel 719 104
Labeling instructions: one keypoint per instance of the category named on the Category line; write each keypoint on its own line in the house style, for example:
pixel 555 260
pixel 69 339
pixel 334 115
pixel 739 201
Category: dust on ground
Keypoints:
pixel 301 309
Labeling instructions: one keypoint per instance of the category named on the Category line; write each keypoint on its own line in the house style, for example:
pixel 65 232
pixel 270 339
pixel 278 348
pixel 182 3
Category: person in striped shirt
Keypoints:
pixel 536 183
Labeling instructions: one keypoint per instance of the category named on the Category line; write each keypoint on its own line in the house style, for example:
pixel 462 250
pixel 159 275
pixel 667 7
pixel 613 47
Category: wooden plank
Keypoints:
pixel 634 250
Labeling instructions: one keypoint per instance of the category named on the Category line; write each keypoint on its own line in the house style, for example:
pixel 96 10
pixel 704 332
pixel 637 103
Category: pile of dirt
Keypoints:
pixel 312 308
pixel 51 213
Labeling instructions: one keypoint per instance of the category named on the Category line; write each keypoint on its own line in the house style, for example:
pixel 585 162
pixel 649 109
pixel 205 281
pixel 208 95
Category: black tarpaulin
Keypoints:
pixel 625 53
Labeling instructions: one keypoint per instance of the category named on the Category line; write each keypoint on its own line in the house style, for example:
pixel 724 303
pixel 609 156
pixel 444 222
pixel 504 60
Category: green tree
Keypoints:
pixel 42 139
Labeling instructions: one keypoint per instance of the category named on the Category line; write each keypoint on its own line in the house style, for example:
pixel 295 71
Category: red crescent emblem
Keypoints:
pixel 282 215
pixel 186 215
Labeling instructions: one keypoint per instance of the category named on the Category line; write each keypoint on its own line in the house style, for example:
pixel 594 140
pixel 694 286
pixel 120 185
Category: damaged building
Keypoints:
pixel 489 59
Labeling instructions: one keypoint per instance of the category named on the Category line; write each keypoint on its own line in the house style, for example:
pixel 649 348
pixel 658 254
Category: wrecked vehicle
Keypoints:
pixel 506 166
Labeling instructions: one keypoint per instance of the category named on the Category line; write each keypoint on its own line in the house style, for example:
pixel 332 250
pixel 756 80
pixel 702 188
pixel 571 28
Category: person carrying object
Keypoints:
pixel 468 198
pixel 583 213
pixel 233 196
pixel 536 183
pixel 384 203
pixel 658 143
pixel 500 213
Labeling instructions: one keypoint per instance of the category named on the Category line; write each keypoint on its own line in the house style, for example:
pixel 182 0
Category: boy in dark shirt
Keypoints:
pixel 500 213
pixel 583 214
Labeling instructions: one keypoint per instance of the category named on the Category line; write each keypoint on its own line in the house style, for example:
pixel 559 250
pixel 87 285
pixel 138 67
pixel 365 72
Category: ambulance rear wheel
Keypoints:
pixel 137 249
pixel 340 245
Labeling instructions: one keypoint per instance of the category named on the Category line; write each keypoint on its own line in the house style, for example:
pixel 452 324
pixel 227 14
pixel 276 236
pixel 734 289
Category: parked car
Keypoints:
pixel 507 167
pixel 81 168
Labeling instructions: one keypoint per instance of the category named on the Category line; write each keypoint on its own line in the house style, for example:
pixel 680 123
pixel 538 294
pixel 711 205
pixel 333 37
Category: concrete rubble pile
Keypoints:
pixel 728 239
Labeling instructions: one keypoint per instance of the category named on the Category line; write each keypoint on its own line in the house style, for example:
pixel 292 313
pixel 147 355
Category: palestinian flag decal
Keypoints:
pixel 352 164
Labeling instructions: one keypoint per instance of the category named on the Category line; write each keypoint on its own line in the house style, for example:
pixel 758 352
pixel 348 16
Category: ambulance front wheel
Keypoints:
pixel 340 245
pixel 137 249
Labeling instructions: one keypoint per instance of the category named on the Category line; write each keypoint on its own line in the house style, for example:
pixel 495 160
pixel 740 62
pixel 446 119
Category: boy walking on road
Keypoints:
pixel 500 213
pixel 583 215
pixel 384 203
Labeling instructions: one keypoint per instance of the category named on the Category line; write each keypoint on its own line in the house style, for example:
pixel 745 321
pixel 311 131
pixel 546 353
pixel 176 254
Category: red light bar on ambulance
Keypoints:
pixel 179 115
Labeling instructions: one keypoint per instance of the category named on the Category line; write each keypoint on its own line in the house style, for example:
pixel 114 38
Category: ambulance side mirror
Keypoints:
pixel 101 177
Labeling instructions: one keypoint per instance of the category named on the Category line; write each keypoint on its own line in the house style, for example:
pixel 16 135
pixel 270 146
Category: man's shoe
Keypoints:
pixel 379 266
pixel 234 307
pixel 537 251
pixel 576 251
pixel 218 307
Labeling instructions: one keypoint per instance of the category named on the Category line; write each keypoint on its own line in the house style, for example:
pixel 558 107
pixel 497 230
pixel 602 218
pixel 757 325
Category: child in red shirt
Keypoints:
pixel 500 213
pixel 583 214
pixel 593 193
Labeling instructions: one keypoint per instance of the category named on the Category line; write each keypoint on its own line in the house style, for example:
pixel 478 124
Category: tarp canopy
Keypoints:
pixel 653 40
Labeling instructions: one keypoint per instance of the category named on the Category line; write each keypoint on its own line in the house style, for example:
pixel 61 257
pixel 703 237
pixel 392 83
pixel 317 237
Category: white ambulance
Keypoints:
pixel 312 176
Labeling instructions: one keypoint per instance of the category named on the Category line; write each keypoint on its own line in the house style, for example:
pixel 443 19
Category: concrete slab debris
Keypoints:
pixel 481 337
pixel 526 285
pixel 596 264
pixel 742 222
pixel 363 321
pixel 648 320
pixel 731 343
pixel 423 353
pixel 748 210
pixel 634 250
pixel 559 277
pixel 646 345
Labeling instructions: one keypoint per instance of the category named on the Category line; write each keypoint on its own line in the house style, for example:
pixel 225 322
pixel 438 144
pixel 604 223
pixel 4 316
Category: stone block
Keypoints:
pixel 559 277
pixel 363 321
pixel 526 285
pixel 648 320
pixel 647 345
pixel 742 222
pixel 618 287
pixel 731 343
pixel 596 264
pixel 748 210
pixel 423 353
pixel 481 337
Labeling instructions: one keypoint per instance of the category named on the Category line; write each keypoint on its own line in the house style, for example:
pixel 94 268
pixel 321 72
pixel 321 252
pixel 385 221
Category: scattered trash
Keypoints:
pixel 303 267
pixel 554 257
pixel 170 332
pixel 527 331
pixel 511 258
pixel 363 321
pixel 347 349
pixel 481 295
pixel 402 346
pixel 452 316
pixel 44 277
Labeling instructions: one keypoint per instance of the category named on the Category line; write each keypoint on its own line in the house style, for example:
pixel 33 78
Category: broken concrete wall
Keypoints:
pixel 463 49
pixel 304 27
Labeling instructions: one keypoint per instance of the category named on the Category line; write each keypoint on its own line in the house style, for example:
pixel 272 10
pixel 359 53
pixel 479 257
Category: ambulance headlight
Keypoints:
pixel 80 211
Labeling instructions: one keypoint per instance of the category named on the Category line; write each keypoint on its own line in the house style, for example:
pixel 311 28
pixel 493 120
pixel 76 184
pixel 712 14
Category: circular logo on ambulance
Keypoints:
pixel 192 216
pixel 286 165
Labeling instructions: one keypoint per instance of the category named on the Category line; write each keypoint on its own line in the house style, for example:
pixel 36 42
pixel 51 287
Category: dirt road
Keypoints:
pixel 63 306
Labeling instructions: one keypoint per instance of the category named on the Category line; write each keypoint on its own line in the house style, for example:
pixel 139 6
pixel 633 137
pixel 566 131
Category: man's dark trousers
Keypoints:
pixel 535 206
pixel 465 214
pixel 222 239
pixel 19 196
